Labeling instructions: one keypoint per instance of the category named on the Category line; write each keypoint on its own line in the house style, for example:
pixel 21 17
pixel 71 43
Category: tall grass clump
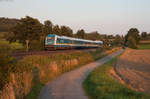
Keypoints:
pixel 101 85
pixel 5 64
pixel 27 76
pixel 50 67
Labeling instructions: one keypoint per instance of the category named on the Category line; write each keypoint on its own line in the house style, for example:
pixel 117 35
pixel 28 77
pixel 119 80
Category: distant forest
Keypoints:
pixel 7 23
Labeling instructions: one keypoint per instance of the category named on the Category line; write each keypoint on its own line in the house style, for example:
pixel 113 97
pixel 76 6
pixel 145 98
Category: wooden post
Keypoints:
pixel 27 45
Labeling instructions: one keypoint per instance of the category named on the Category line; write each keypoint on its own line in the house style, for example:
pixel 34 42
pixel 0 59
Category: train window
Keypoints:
pixel 66 41
pixel 50 39
pixel 59 40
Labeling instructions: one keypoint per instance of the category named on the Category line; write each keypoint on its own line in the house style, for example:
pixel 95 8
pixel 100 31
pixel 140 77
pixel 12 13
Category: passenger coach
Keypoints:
pixel 53 42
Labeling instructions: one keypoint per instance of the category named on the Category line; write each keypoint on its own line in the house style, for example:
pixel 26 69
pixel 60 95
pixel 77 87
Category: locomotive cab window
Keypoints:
pixel 50 39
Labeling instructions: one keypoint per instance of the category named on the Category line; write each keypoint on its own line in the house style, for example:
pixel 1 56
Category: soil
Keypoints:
pixel 134 68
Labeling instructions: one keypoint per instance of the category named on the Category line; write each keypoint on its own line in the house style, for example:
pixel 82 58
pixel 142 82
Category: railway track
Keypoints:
pixel 22 54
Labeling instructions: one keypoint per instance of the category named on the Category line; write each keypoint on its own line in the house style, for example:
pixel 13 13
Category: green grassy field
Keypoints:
pixel 144 46
pixel 101 85
pixel 14 46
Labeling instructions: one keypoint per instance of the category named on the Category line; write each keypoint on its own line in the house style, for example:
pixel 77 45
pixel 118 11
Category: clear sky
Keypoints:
pixel 104 16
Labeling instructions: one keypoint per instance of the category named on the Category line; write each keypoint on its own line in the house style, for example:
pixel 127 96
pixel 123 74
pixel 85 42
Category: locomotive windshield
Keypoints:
pixel 50 40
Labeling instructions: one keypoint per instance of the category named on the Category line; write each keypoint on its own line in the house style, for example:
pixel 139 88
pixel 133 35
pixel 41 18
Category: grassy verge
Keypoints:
pixel 31 73
pixel 15 46
pixel 90 56
pixel 101 85
pixel 144 46
pixel 83 58
pixel 35 90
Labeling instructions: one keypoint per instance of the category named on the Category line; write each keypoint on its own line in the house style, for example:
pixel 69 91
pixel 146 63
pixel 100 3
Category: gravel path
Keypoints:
pixel 69 85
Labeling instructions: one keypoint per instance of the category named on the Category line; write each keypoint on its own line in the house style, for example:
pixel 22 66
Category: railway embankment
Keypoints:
pixel 28 75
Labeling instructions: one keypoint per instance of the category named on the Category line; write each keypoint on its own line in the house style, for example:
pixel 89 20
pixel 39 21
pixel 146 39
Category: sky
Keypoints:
pixel 105 16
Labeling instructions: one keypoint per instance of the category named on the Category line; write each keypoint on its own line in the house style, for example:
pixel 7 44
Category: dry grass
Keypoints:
pixel 31 73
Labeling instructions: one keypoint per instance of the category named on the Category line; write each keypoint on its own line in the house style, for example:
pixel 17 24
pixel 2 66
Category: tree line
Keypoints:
pixel 6 23
pixel 133 37
pixel 29 31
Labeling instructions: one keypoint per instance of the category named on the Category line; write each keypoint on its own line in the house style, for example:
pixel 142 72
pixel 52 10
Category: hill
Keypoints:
pixel 7 23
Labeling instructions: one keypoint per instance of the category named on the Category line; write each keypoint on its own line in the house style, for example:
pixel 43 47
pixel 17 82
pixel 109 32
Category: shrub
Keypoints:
pixel 5 64
pixel 131 43
pixel 37 45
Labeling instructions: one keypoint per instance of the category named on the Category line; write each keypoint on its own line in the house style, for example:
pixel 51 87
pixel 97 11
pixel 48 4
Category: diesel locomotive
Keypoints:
pixel 54 42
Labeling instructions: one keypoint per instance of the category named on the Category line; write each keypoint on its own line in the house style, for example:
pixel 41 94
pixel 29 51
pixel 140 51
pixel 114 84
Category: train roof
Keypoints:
pixel 76 39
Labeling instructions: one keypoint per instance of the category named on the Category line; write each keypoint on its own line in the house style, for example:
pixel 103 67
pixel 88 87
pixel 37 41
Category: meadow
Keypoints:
pixel 144 46
pixel 14 46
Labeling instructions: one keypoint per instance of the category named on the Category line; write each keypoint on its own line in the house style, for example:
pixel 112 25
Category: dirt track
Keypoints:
pixel 134 67
pixel 69 85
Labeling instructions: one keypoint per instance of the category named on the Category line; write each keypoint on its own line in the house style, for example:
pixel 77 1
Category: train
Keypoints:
pixel 54 42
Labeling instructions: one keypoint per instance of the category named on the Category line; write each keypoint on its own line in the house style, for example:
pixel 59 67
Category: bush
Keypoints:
pixel 37 45
pixel 131 43
pixel 5 64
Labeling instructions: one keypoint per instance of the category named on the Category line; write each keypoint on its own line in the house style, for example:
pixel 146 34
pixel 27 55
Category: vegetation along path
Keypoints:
pixel 69 85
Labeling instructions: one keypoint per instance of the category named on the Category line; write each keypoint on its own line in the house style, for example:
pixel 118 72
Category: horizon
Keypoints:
pixel 107 17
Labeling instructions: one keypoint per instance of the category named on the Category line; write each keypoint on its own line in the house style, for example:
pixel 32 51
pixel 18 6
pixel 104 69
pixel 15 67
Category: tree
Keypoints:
pixel 134 33
pixel 80 34
pixel 56 30
pixel 131 42
pixel 148 36
pixel 110 37
pixel 7 23
pixel 93 36
pixel 66 31
pixel 27 30
pixel 5 63
pixel 47 28
pixel 118 40
pixel 144 35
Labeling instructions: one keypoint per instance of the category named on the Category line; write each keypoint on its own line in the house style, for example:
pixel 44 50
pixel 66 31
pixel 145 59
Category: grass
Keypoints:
pixel 14 46
pixel 35 89
pixel 48 67
pixel 44 61
pixel 144 46
pixel 101 85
